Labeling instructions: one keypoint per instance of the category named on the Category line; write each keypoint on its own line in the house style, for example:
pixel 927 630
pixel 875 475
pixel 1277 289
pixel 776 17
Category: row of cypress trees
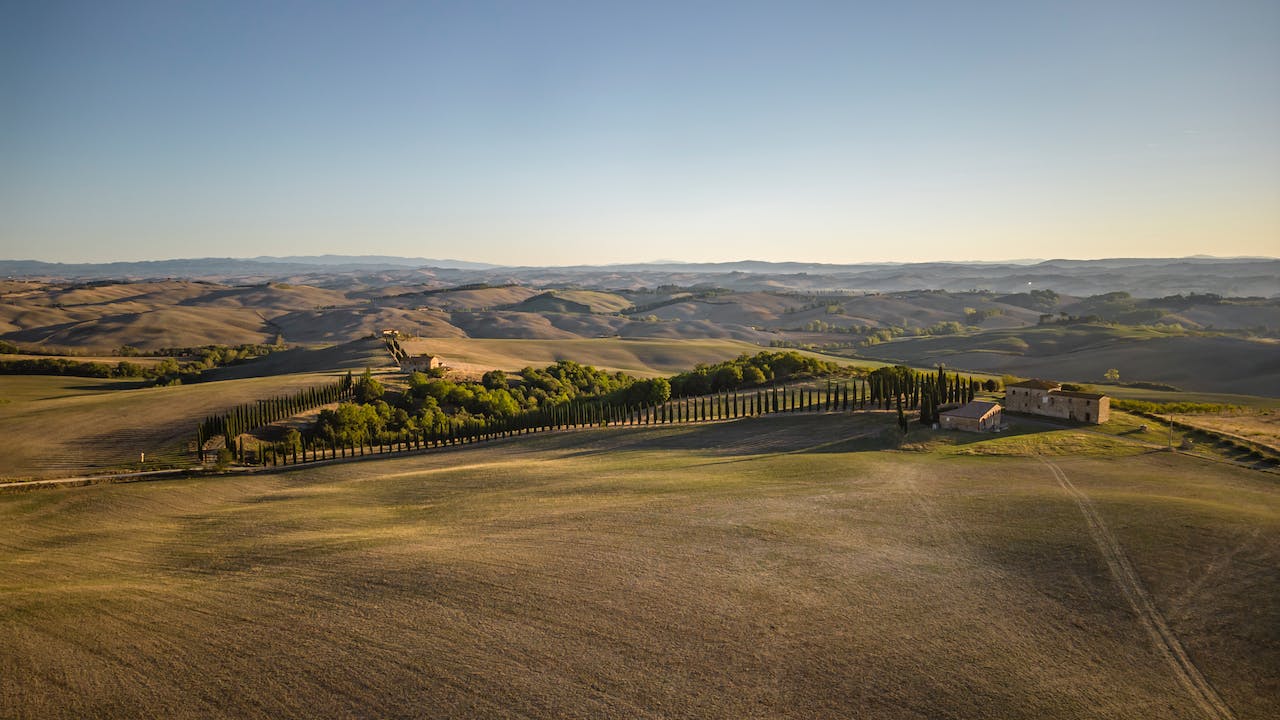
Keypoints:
pixel 888 385
pixel 883 389
pixel 244 418
pixel 580 412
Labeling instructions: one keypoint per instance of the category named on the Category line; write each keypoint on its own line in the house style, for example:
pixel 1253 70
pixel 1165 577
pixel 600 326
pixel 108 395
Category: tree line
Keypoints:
pixel 452 413
pixel 169 371
pixel 94 369
pixel 357 439
pixel 433 411
pixel 748 371
pixel 246 417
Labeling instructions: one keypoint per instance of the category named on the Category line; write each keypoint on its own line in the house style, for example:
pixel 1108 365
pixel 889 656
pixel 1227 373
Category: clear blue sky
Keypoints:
pixel 565 132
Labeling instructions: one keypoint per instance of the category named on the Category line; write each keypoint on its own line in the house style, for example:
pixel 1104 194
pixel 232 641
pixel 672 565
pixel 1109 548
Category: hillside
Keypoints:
pixel 65 426
pixel 1144 277
pixel 1084 353
pixel 1199 342
pixel 643 358
pixel 775 567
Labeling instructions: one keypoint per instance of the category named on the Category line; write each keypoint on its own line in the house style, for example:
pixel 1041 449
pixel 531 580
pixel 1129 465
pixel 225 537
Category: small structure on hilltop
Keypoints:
pixel 421 363
pixel 975 416
pixel 1046 398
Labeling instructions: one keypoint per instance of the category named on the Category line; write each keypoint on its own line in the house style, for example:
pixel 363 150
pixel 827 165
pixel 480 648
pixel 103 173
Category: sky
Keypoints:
pixel 553 133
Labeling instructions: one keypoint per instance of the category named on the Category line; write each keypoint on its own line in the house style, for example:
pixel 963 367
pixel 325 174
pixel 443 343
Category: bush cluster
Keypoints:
pixel 746 371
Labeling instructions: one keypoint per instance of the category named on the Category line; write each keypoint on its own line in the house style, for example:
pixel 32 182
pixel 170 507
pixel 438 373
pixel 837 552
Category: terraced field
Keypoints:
pixel 773 567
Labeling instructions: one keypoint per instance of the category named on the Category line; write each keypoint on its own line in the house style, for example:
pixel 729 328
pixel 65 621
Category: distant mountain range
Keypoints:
pixel 365 261
pixel 192 268
pixel 1144 277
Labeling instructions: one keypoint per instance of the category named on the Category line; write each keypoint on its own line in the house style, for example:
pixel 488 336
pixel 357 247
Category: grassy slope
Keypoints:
pixel 65 426
pixel 639 357
pixel 1083 353
pixel 81 425
pixel 765 568
pixel 598 301
pixel 480 298
pixel 26 388
pixel 1169 396
pixel 354 355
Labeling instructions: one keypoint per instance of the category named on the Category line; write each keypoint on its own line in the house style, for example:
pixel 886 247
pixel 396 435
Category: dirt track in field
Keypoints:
pixel 772 567
pixel 1184 669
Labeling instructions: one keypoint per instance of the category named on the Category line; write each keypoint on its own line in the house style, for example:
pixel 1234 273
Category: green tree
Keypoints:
pixel 367 388
pixel 1112 375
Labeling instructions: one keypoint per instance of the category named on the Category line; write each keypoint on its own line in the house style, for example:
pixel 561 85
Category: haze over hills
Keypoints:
pixel 1142 277
pixel 1198 341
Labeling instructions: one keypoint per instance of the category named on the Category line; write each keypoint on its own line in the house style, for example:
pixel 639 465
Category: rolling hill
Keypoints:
pixel 780 567
pixel 977 330
pixel 1084 353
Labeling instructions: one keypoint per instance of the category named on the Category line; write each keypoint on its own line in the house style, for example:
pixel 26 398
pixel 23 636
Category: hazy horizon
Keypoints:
pixel 566 134
pixel 374 257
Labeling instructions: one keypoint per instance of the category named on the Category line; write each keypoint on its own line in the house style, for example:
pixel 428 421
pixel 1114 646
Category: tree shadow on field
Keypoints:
pixel 113 387
pixel 833 433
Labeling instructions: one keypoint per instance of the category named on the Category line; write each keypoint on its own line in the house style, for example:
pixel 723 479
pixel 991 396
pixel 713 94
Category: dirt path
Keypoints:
pixel 1131 587
pixel 22 485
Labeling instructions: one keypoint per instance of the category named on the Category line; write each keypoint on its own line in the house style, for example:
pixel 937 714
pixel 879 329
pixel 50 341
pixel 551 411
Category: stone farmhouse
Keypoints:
pixel 976 416
pixel 421 363
pixel 1048 399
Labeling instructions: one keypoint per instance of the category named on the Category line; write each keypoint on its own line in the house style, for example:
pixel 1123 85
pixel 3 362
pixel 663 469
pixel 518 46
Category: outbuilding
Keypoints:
pixel 976 416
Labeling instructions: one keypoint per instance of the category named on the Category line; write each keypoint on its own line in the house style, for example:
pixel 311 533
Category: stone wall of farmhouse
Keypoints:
pixel 1050 403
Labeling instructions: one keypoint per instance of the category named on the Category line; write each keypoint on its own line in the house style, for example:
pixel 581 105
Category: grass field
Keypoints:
pixel 1083 353
pixel 1253 402
pixel 775 567
pixel 61 426
pixel 643 358
pixel 28 388
pixel 1259 427
pixel 111 360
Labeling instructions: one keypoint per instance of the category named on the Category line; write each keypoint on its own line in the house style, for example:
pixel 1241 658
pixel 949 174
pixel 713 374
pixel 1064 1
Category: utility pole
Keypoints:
pixel 1170 431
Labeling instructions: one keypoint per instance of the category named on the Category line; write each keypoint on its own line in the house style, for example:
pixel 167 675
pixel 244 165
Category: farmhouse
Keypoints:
pixel 976 416
pixel 1042 397
pixel 420 363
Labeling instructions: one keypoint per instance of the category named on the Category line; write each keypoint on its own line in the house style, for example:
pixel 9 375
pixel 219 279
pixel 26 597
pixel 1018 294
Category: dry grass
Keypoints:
pixel 1083 353
pixel 66 426
pixel 598 301
pixel 764 568
pixel 644 358
pixel 26 388
pixel 1259 427
pixel 107 359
